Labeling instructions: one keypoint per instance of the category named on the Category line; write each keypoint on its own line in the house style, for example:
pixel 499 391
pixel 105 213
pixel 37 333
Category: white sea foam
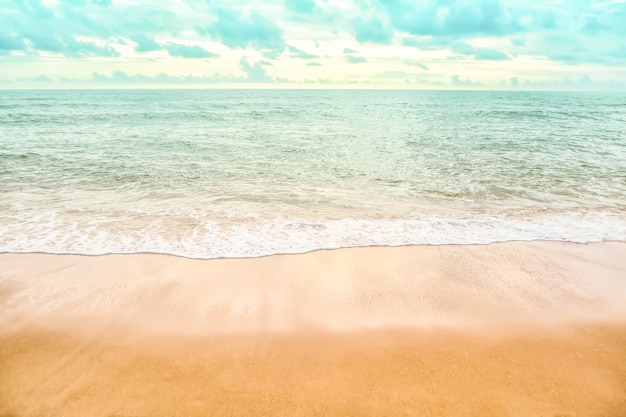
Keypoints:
pixel 206 238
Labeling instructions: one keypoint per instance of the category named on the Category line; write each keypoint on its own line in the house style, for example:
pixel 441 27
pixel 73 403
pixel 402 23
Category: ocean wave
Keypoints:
pixel 204 238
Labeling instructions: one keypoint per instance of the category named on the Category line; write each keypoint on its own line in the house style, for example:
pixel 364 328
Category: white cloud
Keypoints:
pixel 484 42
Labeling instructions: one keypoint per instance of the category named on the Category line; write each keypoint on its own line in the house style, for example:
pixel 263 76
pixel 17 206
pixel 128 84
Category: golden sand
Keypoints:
pixel 515 329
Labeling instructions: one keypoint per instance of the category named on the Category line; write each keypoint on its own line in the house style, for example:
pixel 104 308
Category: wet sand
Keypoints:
pixel 512 329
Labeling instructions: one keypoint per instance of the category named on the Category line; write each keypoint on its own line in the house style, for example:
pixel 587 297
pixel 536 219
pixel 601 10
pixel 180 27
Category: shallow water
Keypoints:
pixel 212 173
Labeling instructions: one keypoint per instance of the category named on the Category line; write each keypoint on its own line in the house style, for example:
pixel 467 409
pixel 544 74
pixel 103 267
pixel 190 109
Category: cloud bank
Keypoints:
pixel 295 41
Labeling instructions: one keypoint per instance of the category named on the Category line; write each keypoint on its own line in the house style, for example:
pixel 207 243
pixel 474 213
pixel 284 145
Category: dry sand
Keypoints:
pixel 512 329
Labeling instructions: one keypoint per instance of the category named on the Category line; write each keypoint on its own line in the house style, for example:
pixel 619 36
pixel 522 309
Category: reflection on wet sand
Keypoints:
pixel 514 329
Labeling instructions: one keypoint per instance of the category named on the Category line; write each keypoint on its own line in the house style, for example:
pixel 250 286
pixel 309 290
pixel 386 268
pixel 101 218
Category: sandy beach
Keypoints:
pixel 508 329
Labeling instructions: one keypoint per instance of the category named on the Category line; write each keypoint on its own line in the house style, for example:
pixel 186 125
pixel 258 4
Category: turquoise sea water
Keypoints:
pixel 213 173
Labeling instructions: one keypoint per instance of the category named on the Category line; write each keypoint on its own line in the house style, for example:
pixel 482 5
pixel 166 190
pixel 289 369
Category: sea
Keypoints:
pixel 212 173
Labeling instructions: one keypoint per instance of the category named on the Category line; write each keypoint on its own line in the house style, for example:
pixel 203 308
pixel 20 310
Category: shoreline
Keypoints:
pixel 340 289
pixel 516 328
pixel 321 249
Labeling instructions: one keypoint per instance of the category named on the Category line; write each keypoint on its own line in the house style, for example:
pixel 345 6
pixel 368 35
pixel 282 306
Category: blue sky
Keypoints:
pixel 547 44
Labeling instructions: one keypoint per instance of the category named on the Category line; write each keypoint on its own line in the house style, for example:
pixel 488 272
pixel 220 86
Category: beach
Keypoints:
pixel 232 252
pixel 312 208
pixel 506 329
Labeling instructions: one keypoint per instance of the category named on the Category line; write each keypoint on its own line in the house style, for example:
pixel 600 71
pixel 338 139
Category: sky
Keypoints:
pixel 482 44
